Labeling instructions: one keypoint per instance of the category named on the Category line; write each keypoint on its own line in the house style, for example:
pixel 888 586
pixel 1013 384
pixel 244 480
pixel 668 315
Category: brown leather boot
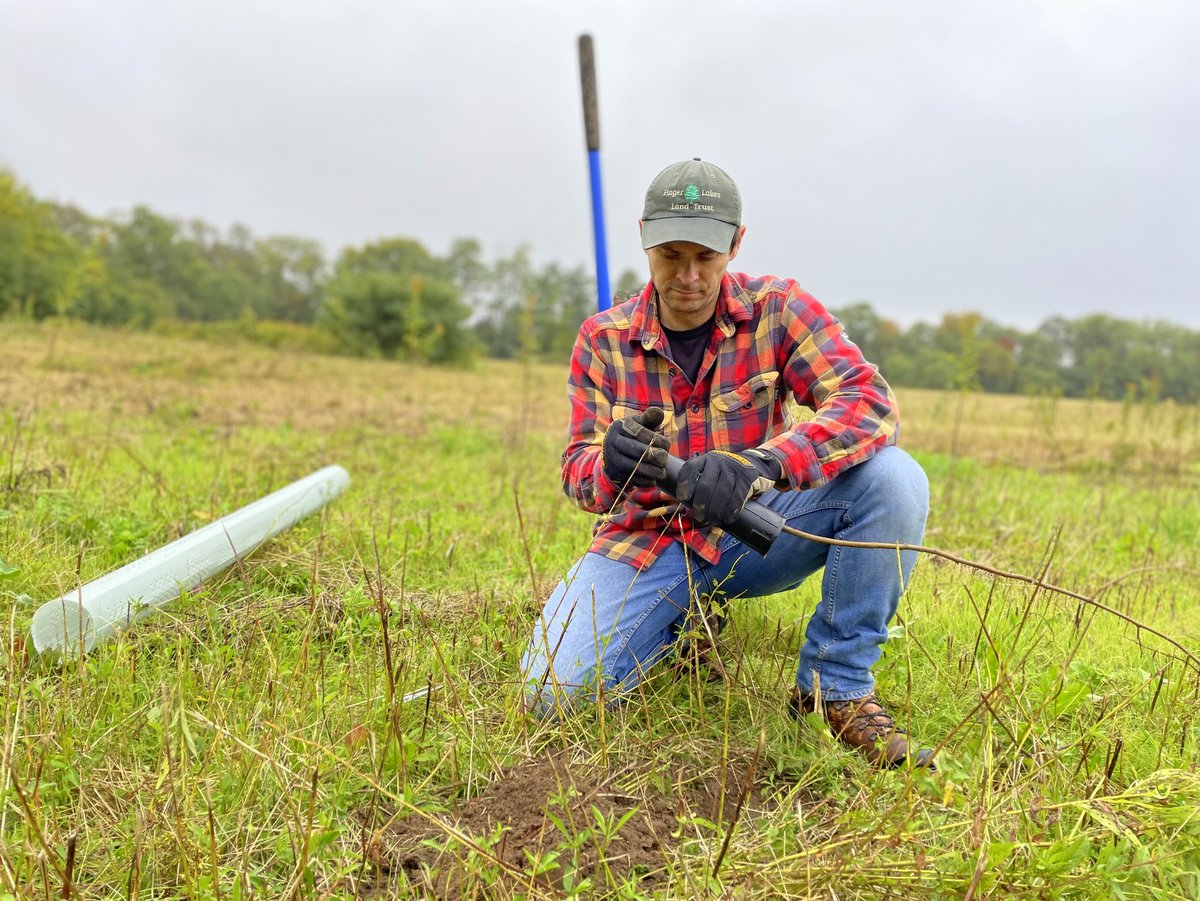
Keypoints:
pixel 865 725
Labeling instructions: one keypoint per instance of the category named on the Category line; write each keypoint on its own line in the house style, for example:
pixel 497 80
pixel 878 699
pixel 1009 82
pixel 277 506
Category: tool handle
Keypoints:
pixel 587 81
pixel 757 526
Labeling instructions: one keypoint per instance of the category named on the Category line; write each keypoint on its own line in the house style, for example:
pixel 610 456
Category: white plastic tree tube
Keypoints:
pixel 88 615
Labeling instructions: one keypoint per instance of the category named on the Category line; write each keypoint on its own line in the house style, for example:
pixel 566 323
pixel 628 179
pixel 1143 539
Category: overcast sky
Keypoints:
pixel 1023 159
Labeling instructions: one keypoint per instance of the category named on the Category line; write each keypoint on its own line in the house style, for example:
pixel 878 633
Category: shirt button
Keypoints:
pixel 695 408
pixel 673 371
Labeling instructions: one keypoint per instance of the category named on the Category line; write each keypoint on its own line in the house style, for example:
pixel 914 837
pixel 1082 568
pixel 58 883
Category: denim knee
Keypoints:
pixel 551 680
pixel 901 484
pixel 557 679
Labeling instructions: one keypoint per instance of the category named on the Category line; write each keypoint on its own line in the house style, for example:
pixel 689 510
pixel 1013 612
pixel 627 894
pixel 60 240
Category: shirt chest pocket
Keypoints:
pixel 747 415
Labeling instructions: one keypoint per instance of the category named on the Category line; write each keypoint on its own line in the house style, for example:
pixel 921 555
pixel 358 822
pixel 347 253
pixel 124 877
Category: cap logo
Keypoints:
pixel 691 194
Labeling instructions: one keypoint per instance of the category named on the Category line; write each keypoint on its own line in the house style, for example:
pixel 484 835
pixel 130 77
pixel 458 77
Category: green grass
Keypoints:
pixel 250 742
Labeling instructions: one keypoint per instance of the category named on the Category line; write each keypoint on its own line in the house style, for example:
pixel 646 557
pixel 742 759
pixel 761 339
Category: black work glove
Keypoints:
pixel 717 485
pixel 634 453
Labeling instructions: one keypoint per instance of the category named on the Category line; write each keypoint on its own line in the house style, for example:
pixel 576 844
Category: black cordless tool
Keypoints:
pixel 757 525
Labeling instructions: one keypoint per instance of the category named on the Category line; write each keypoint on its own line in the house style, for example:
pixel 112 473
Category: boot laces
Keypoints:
pixel 865 715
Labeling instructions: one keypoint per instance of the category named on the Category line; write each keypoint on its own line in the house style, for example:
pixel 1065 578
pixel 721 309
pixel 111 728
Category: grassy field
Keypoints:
pixel 254 741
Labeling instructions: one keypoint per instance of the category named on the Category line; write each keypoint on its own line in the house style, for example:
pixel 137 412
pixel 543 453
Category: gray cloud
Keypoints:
pixel 1024 159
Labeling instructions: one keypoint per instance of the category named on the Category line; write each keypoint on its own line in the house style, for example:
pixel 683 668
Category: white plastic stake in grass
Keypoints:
pixel 93 612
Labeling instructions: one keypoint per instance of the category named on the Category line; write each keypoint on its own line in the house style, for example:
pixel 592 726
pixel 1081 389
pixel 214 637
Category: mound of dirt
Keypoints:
pixel 548 809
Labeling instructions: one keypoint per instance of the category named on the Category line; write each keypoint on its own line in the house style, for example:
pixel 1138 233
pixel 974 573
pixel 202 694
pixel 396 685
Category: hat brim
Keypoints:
pixel 711 233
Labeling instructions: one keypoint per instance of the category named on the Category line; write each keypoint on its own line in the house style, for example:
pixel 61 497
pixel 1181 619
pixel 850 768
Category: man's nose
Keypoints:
pixel 689 272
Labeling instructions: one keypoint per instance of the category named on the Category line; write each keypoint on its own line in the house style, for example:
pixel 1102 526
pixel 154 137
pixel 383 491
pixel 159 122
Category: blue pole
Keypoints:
pixel 591 125
pixel 603 292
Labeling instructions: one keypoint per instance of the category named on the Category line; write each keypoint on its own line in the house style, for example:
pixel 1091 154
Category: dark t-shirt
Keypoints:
pixel 688 346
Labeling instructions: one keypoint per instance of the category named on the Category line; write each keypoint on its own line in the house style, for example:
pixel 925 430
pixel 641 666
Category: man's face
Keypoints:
pixel 688 279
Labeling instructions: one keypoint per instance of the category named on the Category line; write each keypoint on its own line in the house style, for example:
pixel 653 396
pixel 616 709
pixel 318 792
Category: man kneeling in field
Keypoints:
pixel 719 353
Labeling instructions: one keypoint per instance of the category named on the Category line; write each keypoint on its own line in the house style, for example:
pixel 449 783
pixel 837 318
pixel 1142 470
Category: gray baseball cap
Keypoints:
pixel 692 201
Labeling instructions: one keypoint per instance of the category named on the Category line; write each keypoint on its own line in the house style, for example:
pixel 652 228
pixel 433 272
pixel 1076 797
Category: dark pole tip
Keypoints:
pixel 587 80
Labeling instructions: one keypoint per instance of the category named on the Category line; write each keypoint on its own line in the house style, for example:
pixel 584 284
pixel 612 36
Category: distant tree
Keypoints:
pixel 147 247
pixel 918 361
pixel 402 256
pixel 294 271
pixel 503 305
pixel 1098 346
pixel 231 284
pixel 468 271
pixel 395 298
pixel 997 365
pixel 94 300
pixel 527 310
pixel 564 298
pixel 629 284
pixel 876 337
pixel 1180 362
pixel 39 262
pixel 1039 364
pixel 78 225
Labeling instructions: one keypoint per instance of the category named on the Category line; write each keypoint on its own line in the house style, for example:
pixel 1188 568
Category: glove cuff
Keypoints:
pixel 766 463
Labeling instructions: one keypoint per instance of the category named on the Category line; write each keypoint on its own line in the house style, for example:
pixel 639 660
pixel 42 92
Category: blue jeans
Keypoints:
pixel 608 623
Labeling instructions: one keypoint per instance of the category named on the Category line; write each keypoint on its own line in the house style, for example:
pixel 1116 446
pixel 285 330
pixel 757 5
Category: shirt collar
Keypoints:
pixel 734 305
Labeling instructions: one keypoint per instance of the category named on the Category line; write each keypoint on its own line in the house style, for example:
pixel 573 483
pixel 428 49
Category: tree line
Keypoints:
pixel 393 298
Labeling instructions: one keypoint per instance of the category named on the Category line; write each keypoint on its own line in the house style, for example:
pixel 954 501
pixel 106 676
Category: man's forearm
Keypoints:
pixel 853 422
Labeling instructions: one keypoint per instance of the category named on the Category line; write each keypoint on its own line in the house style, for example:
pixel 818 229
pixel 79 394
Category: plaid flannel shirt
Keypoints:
pixel 772 341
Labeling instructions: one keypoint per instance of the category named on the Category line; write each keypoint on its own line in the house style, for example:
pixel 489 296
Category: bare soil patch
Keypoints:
pixel 531 802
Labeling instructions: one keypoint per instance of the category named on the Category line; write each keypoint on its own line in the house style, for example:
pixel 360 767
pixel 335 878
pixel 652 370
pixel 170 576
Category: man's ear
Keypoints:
pixel 639 226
